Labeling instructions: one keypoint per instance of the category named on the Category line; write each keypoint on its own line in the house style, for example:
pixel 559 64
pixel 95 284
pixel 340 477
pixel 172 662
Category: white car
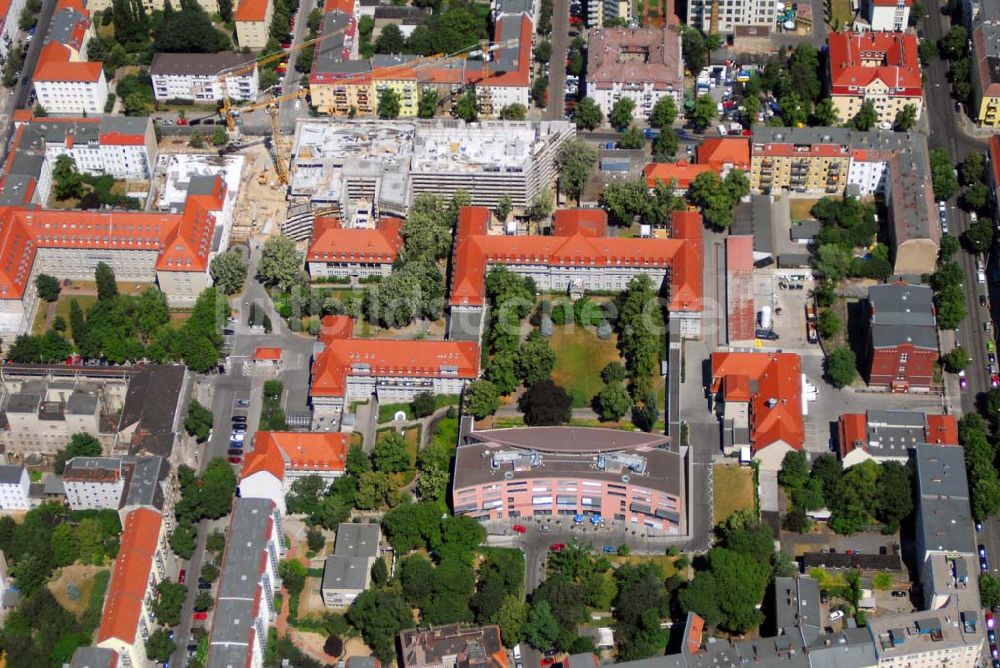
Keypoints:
pixel 981 277
pixel 517 652
pixel 836 614
pixel 723 131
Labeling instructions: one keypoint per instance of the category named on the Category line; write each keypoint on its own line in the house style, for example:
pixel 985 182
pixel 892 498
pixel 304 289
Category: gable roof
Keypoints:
pixel 899 67
pixel 772 383
pixel 55 64
pixel 681 172
pixel 251 10
pixel 721 151
pixel 278 451
pixel 578 239
pixel 331 241
pixel 123 607
pixel 344 356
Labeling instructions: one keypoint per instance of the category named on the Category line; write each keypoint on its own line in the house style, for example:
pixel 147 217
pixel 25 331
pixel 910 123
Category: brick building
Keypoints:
pixel 902 344
pixel 882 67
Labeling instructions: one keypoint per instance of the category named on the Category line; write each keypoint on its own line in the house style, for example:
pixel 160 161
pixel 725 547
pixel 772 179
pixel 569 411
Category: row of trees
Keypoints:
pixel 980 460
pixel 946 282
pixel 864 494
pixel 207 497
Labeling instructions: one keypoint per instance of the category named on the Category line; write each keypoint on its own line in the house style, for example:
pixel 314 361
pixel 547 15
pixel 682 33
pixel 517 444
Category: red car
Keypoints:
pixel 520 528
pixel 182 576
pixel 235 460
pixel 548 661
pixel 557 547
pixel 995 380
pixel 990 623
pixel 182 121
pixel 200 616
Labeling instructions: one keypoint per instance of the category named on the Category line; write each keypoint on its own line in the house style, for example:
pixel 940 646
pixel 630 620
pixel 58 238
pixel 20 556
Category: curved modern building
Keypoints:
pixel 622 476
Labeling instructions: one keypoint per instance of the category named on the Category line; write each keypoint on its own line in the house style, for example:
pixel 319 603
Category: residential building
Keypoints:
pixel 577 256
pixel 452 646
pixel 405 18
pixel 892 165
pixel 151 416
pixel 14 484
pixel 884 16
pixel 67 86
pixel 139 567
pixel 930 638
pixel 244 605
pixel 640 64
pixel 985 74
pixel 279 458
pixel 715 154
pixel 631 478
pixel 902 348
pixel 94 657
pixel 600 11
pixel 760 397
pixel 10 13
pixel 347 572
pixel 943 514
pixel 509 79
pixel 342 166
pixel 891 435
pixel 253 21
pixel 724 16
pixel 210 6
pixel 353 252
pixel 881 67
pixel 395 370
pixel 195 77
pixel 680 174
pixel 42 415
pixel 120 483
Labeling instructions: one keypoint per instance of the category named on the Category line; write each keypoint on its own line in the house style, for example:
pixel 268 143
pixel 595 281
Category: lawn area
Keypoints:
pixel 733 490
pixel 800 209
pixel 62 308
pixel 840 13
pixel 665 562
pixel 446 433
pixel 356 438
pixel 412 437
pixel 178 318
pixel 580 356
pixel 387 411
pixel 91 583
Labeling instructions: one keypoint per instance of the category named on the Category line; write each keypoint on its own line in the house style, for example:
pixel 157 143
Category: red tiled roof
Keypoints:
pixel 345 356
pixel 123 607
pixel 682 173
pixel 251 10
pixel 522 75
pixel 719 152
pixel 852 429
pixel 267 354
pixel 331 242
pixel 776 405
pixel 278 451
pixel 739 288
pixel 342 6
pixel 896 53
pixel 54 65
pixel 183 241
pixel 942 430
pixel 694 635
pixel 578 239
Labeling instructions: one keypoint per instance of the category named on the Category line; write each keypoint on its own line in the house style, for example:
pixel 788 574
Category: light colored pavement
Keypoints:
pixel 555 110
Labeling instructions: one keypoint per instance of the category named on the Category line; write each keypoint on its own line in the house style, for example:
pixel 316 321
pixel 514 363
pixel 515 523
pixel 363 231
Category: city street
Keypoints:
pixel 555 108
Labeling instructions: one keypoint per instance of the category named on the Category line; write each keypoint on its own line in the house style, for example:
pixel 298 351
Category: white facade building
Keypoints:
pixel 94 483
pixel 67 86
pixel 884 16
pixel 10 12
pixel 195 77
pixel 730 14
pixel 641 64
pixel 14 483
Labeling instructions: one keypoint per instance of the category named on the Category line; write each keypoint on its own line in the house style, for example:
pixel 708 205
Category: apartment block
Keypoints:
pixel 195 77
pixel 577 256
pixel 279 458
pixel 452 646
pixel 141 565
pixel 985 74
pixel 726 15
pixel 347 572
pixel 640 64
pixel 244 605
pixel 116 483
pixel 902 348
pixel 883 16
pixel 43 416
pixel 892 165
pixel 253 22
pixel 891 435
pixel 14 486
pixel 395 370
pixel 210 6
pixel 527 472
pixel 10 12
pixel 64 82
pixel 354 252
pixel 878 67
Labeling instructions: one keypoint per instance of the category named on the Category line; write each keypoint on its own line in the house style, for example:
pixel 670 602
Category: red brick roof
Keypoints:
pixel 578 239
pixel 720 152
pixel 267 354
pixel 682 173
pixel 775 402
pixel 896 53
pixel 278 451
pixel 942 430
pixel 183 241
pixel 54 65
pixel 251 10
pixel 345 356
pixel 852 431
pixel 123 607
pixel 332 242
pixel 522 75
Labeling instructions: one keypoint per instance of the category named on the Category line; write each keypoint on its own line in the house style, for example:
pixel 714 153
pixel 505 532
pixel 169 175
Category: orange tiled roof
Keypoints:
pixel 522 75
pixel 776 404
pixel 278 451
pixel 251 10
pixel 345 356
pixel 896 53
pixel 331 242
pixel 852 431
pixel 578 240
pixel 183 241
pixel 267 353
pixel 682 173
pixel 54 65
pixel 123 607
pixel 942 430
pixel 721 151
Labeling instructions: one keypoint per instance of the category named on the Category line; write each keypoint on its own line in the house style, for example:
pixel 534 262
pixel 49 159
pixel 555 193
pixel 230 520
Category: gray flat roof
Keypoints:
pixel 196 64
pixel 151 401
pixel 341 572
pixel 94 657
pixel 357 540
pixel 10 474
pixel 82 403
pixel 144 488
pixel 943 512
pixel 23 402
pixel 902 313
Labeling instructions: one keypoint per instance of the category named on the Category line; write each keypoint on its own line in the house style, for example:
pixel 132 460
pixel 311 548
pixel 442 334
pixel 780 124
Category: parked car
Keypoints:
pixel 545 528
pixel 836 614
pixel 979 526
pixel 520 528
pixel 182 576
pixel 243 403
pixel 547 661
pixel 235 460
pixel 204 585
pixel 234 452
pixel 200 616
pixel 990 622
pixel 899 593
pixel 608 549
pixel 984 565
pixel 824 596
pixel 982 551
pixel 982 300
pixel 517 651
pixel 557 547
